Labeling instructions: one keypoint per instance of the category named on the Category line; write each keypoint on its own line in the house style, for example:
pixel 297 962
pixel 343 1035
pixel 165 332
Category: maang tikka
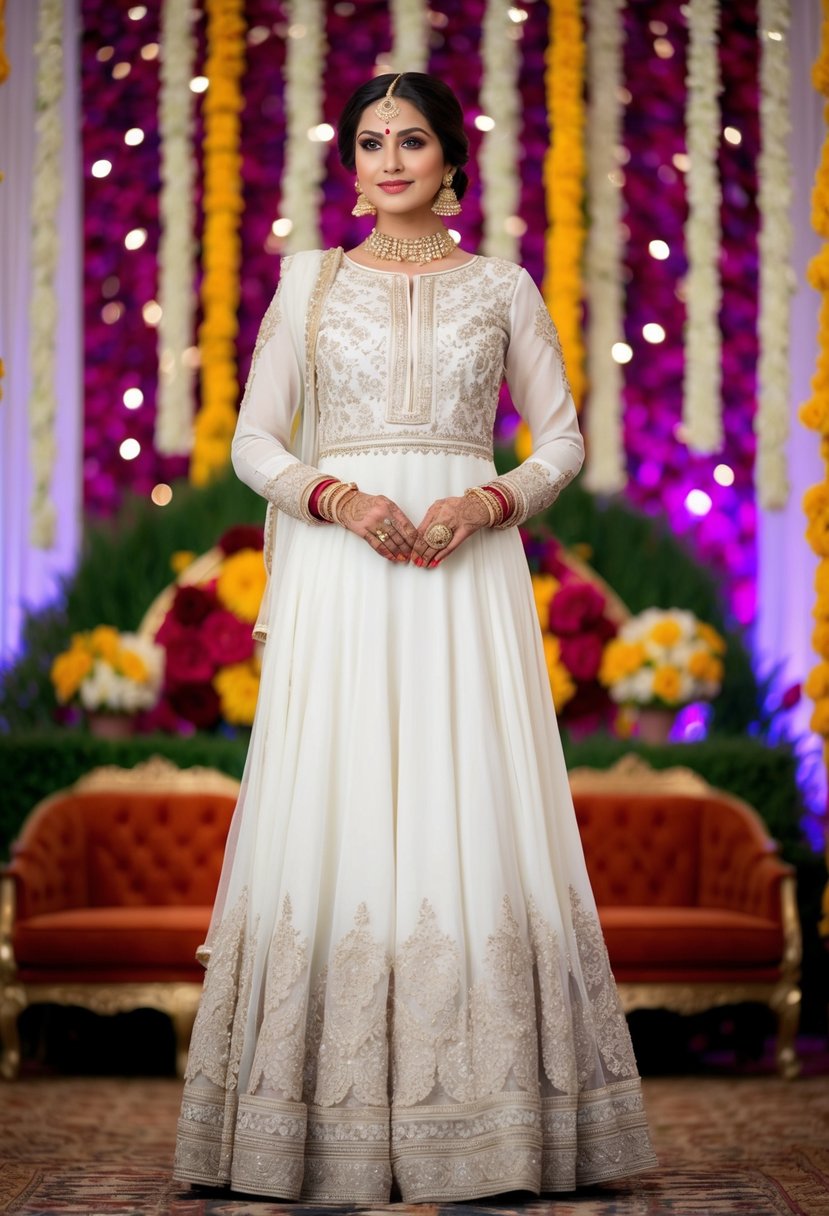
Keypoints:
pixel 446 200
pixel 387 108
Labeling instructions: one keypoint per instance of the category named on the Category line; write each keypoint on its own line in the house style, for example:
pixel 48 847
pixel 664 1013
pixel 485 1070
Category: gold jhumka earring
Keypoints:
pixel 446 200
pixel 362 206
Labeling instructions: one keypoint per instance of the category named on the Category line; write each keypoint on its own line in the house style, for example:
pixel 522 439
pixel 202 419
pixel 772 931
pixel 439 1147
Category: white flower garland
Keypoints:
pixel 303 107
pixel 606 471
pixel 777 280
pixel 43 312
pixel 498 159
pixel 176 250
pixel 411 35
pixel 702 412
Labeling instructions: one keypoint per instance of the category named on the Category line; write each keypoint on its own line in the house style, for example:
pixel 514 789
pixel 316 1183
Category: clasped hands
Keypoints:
pixel 399 540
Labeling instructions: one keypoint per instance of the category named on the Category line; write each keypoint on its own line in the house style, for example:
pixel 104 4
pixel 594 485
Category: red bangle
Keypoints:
pixel 506 507
pixel 315 493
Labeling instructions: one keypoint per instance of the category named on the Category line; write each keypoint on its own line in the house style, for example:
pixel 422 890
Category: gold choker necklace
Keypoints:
pixel 420 249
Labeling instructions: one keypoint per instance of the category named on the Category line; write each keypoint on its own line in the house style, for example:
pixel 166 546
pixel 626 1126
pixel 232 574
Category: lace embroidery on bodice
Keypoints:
pixel 417 364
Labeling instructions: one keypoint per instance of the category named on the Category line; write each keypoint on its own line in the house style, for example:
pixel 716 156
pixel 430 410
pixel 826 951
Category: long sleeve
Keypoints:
pixel 272 398
pixel 538 384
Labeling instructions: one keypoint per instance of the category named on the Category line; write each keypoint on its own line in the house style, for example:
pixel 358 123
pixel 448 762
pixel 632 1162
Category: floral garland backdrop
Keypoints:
pixel 121 353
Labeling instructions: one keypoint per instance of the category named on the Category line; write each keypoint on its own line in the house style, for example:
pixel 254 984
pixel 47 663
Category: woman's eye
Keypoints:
pixel 413 142
pixel 369 144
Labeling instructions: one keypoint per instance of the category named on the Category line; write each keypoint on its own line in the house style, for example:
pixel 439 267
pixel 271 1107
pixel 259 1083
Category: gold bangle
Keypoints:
pixel 493 507
pixel 343 491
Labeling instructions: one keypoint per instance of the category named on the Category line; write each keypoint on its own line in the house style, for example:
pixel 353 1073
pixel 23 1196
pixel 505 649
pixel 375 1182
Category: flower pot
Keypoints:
pixel 110 725
pixel 654 724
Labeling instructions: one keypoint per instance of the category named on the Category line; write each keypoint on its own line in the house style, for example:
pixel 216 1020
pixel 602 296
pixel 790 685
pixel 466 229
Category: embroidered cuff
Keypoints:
pixel 532 487
pixel 290 491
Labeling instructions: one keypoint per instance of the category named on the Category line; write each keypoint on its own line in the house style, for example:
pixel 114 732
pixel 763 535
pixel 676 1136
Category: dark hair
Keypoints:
pixel 435 101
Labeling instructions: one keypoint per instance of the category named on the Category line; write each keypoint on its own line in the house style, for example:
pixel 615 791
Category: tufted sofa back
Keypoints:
pixel 674 850
pixel 125 848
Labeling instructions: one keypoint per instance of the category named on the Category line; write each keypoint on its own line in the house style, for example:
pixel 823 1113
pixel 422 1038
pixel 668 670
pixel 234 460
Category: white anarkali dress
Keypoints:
pixel 407 988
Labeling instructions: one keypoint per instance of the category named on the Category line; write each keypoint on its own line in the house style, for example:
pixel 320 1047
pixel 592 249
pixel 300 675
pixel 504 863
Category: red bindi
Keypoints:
pixel 388 132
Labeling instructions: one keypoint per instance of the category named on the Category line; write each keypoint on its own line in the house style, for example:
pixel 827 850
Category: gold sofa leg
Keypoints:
pixel 12 1004
pixel 786 1006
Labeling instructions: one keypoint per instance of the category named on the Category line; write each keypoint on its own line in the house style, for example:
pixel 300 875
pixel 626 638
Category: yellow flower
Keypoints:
pixel 523 442
pixel 817 682
pixel 619 660
pixel 241 583
pixel 131 665
pixel 238 688
pixel 68 672
pixel 104 641
pixel 820 639
pixel 181 559
pixel 666 632
pixel 820 717
pixel 709 635
pixel 667 683
pixel 544 588
pixel 562 684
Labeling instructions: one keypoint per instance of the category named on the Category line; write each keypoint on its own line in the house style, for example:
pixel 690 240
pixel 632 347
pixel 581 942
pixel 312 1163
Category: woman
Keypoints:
pixel 407 987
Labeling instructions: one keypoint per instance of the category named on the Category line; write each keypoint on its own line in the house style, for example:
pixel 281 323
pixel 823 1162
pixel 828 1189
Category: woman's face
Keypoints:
pixel 400 164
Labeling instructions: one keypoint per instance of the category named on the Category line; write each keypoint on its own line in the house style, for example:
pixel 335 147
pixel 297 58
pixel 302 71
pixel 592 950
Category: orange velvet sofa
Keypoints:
pixel 110 887
pixel 697 909
pixel 108 894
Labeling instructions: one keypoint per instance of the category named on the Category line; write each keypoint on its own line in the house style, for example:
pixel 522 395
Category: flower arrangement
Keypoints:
pixel 578 616
pixel 663 658
pixel 110 671
pixel 212 668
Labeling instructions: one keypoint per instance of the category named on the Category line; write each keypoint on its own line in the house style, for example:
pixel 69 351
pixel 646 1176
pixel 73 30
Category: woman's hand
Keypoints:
pixel 465 516
pixel 380 521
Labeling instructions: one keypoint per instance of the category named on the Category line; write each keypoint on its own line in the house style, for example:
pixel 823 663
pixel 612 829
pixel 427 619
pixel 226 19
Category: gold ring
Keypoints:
pixel 381 535
pixel 438 536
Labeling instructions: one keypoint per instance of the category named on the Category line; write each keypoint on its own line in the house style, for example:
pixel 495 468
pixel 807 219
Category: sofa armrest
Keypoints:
pixel 48 861
pixel 740 869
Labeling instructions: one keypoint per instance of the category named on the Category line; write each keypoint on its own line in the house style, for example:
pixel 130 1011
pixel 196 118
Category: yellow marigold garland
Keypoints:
pixel 223 205
pixel 814 414
pixel 564 171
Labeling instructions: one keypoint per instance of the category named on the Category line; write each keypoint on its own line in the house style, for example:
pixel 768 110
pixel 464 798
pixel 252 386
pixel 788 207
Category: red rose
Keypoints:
pixel 188 662
pixel 197 703
pixel 162 718
pixel 171 632
pixel 192 604
pixel 226 638
pixel 243 536
pixel 575 607
pixel 581 654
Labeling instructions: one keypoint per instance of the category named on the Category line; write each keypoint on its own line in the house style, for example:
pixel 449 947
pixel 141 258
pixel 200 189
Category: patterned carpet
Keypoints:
pixel 748 1144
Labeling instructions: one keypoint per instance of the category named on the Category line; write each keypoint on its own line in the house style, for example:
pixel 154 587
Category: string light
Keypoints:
pixel 151 312
pixel 484 123
pixel 133 398
pixel 732 135
pixel 659 250
pixel 653 333
pixel 620 352
pixel 321 134
pixel 129 449
pixel 282 226
pixel 199 84
pixel 134 137
pixel 137 12
pixel 135 238
pixel 698 502
pixel 121 70
pixel 162 494
pixel 724 475
pixel 102 168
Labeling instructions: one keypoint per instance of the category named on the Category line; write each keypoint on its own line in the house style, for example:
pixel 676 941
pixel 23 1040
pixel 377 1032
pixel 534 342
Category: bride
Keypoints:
pixel 407 990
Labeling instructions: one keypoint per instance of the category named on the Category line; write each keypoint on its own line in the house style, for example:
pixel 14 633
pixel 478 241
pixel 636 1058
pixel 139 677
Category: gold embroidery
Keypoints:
pixel 270 321
pixel 534 487
pixel 469 1116
pixel 353 1051
pixel 366 388
pixel 399 371
pixel 405 441
pixel 280 1048
pixel 210 1044
pixel 545 328
pixel 290 490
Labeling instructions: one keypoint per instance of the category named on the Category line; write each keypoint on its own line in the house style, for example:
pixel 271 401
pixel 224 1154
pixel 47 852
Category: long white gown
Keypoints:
pixel 407 987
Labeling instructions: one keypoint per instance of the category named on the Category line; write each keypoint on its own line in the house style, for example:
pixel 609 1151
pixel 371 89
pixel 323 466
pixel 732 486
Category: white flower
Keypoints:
pixel 499 148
